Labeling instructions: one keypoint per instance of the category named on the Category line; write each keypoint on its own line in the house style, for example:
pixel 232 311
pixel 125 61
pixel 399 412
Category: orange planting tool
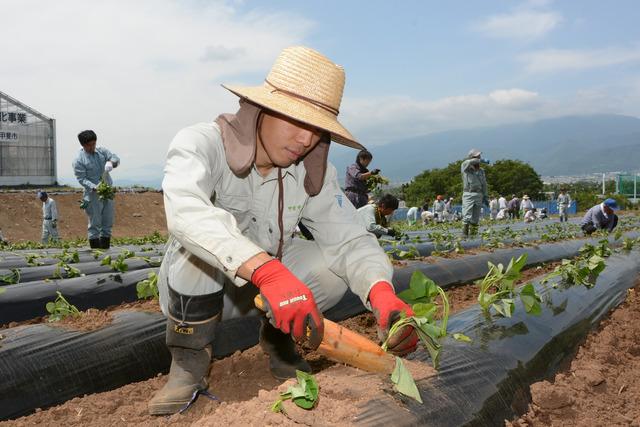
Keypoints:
pixel 345 346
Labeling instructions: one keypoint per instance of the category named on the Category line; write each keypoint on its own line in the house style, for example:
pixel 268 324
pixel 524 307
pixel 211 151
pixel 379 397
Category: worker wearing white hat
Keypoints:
pixel 475 193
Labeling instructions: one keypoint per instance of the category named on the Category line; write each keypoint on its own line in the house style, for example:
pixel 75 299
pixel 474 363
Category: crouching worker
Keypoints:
pixel 374 216
pixel 234 191
pixel 600 217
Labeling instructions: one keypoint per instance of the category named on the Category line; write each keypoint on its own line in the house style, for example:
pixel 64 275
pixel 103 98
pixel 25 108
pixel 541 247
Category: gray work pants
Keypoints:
pixel 562 210
pixel 49 231
pixel 471 205
pixel 189 275
pixel 100 214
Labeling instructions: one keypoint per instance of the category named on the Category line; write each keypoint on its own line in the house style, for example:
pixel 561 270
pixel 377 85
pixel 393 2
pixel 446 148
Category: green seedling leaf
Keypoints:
pixel 97 253
pixel 404 382
pixel 461 337
pixel 304 394
pixel 148 288
pixel 530 299
pixel 106 260
pixel 61 308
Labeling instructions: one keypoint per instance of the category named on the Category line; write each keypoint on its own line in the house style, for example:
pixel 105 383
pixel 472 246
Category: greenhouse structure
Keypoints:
pixel 27 145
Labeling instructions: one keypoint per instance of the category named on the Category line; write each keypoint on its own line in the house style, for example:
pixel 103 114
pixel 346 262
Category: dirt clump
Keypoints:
pixel 602 385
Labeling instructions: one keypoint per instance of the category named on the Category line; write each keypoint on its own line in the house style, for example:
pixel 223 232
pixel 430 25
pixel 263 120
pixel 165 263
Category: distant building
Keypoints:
pixel 27 145
pixel 628 185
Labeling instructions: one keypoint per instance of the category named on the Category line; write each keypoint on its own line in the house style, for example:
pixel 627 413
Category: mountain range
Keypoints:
pixel 573 145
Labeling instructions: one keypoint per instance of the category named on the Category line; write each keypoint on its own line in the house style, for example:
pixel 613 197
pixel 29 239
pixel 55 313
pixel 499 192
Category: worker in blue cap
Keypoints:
pixel 49 218
pixel 600 217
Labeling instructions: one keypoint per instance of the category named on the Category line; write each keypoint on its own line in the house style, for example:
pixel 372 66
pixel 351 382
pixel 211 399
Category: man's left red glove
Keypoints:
pixel 387 308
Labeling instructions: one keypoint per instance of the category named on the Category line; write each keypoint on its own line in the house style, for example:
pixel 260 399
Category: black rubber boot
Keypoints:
pixel 465 230
pixel 105 242
pixel 94 243
pixel 284 359
pixel 189 337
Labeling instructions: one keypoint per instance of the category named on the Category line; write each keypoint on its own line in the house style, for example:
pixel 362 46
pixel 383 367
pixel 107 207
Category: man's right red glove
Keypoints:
pixel 387 308
pixel 291 306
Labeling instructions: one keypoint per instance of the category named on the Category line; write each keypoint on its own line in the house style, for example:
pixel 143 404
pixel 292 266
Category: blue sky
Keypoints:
pixel 137 72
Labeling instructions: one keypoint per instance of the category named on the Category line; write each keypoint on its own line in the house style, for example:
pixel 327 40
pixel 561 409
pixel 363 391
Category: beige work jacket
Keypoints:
pixel 225 219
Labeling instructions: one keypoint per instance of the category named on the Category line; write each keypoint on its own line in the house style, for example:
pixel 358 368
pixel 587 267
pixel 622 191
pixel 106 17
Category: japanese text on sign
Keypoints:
pixel 12 117
pixel 8 136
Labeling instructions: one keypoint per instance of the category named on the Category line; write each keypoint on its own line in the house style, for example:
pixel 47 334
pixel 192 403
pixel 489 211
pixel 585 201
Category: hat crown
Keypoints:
pixel 307 74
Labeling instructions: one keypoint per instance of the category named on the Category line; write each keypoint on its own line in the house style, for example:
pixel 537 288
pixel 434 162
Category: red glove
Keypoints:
pixel 387 308
pixel 290 303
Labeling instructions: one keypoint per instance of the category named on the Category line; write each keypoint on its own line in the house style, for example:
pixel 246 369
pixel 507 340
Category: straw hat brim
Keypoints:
pixel 298 110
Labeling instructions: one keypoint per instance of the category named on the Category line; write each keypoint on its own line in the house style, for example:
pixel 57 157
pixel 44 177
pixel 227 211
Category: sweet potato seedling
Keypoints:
pixel 304 394
pixel 61 308
pixel 422 295
pixel 105 191
pixel 502 281
pixel 148 288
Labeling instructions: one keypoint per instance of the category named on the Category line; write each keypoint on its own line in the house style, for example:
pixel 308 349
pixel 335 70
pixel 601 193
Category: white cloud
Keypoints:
pixel 513 97
pixel 520 24
pixel 135 72
pixel 552 60
pixel 381 120
pixel 528 21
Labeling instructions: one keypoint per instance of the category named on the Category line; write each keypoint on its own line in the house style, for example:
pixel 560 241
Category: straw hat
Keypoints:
pixel 305 86
pixel 525 197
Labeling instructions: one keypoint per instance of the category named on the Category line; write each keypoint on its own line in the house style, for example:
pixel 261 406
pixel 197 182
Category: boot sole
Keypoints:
pixel 167 408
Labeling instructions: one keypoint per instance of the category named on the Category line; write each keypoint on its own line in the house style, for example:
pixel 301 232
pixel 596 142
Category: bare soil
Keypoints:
pixel 602 385
pixel 137 215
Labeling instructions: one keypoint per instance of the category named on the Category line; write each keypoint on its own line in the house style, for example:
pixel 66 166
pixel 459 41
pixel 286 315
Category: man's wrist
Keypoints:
pixel 379 289
pixel 246 269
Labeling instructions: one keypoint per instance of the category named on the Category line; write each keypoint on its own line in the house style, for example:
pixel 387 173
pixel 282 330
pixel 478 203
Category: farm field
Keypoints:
pixel 514 352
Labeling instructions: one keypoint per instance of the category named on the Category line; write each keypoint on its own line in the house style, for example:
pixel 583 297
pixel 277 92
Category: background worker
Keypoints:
pixel 49 218
pixel 527 204
pixel 439 208
pixel 600 217
pixel 374 216
pixel 267 167
pixel 92 165
pixel 493 207
pixel 413 214
pixel 564 201
pixel 356 180
pixel 502 203
pixel 514 207
pixel 448 209
pixel 475 193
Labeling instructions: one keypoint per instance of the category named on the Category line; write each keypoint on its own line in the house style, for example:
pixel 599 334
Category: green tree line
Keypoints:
pixel 504 177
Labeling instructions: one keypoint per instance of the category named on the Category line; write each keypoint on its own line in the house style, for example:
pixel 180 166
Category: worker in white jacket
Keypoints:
pixel 49 218
pixel 234 191
pixel 374 216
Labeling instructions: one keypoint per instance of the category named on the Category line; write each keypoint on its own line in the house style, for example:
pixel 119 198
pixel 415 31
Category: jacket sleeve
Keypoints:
pixel 348 249
pixel 195 162
pixel 111 157
pixel 469 163
pixel 368 217
pixel 354 172
pixel 80 171
pixel 54 210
